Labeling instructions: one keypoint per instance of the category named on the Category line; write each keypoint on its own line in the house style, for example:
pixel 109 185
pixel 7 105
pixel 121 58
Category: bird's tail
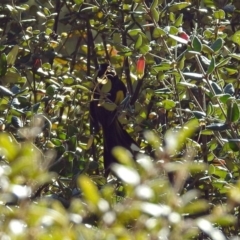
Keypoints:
pixel 115 135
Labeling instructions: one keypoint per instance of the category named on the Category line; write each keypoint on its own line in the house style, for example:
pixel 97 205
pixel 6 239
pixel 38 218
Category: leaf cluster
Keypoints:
pixel 184 113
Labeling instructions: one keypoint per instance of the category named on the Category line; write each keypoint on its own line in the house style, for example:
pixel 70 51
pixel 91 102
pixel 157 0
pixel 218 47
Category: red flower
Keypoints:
pixel 183 35
pixel 141 67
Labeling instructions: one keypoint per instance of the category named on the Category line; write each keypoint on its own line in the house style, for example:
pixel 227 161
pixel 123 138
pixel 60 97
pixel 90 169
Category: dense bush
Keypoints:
pixel 185 115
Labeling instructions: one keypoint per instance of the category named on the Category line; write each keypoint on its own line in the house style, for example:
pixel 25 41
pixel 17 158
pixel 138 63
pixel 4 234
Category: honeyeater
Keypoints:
pixel 108 94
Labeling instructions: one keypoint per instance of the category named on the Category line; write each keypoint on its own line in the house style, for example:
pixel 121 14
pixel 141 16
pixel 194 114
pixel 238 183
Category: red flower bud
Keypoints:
pixel 37 64
pixel 141 67
pixel 183 35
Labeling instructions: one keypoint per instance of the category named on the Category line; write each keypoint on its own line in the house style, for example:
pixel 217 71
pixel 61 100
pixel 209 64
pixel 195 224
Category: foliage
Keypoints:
pixel 184 113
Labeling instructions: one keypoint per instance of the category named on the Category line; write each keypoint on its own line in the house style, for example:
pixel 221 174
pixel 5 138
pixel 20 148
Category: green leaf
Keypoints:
pixel 134 32
pixel 158 32
pixel 89 189
pixel 196 206
pixel 207 49
pixel 178 6
pixel 80 87
pixel 198 114
pixel 235 55
pixel 154 14
pixel 196 44
pixel 172 17
pixel 139 42
pixel 212 66
pixel 236 38
pixel 210 109
pixel 233 113
pixel 217 45
pixel 106 87
pixel 68 80
pixel 206 62
pixel 220 14
pixel 223 62
pixel 109 106
pixel 175 139
pixel 3 64
pixel 51 90
pixel 217 127
pixel 5 92
pixel 236 140
pixel 217 89
pixel 233 146
pixel 179 20
pixel 168 104
pixel 12 55
pixel 154 4
pixel 178 39
pixel 224 220
pixel 78 2
pixel 222 97
pixel 187 85
pixel 16 122
pixel 219 171
pixel 193 75
pixel 8 146
pixel 206 132
pixel 229 88
pixel 164 66
pixel 144 49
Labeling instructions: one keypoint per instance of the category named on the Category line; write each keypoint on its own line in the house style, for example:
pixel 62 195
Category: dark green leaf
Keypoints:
pixel 233 112
pixel 196 44
pixel 211 67
pixel 229 88
pixel 3 64
pixel 16 122
pixel 233 146
pixel 222 97
pixel 217 89
pixel 217 127
pixel 35 107
pixel 199 114
pixel 51 90
pixel 217 45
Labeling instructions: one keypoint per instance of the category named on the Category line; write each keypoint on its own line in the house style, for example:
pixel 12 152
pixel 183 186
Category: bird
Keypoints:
pixel 109 89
